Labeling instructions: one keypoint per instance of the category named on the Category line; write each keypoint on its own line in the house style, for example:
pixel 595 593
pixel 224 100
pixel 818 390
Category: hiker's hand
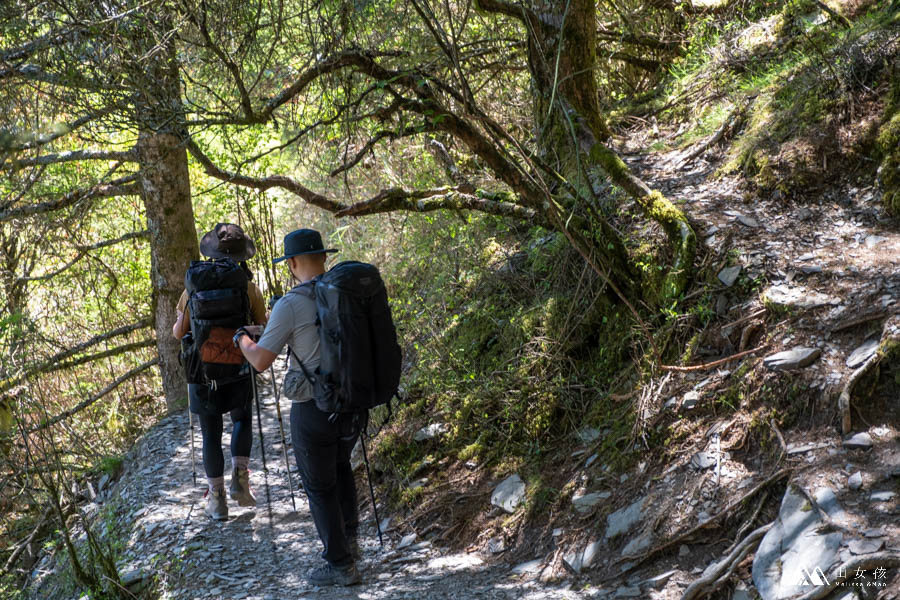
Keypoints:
pixel 254 330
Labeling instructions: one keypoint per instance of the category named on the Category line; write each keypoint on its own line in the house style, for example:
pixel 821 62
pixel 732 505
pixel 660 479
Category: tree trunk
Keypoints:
pixel 572 134
pixel 167 202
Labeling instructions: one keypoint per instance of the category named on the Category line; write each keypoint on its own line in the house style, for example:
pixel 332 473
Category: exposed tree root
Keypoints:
pixel 877 560
pixel 888 341
pixel 718 573
pixel 638 560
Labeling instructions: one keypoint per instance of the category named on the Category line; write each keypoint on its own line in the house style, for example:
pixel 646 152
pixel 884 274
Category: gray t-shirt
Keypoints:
pixel 293 322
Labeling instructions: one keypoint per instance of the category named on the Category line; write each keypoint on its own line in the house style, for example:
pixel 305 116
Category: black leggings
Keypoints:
pixel 241 439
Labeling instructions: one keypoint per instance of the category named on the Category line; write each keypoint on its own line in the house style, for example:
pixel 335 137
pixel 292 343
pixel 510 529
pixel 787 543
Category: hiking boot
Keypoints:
pixel 329 574
pixel 216 507
pixel 240 488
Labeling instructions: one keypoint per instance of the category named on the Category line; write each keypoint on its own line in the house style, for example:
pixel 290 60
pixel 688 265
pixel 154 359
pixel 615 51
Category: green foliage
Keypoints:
pixel 509 334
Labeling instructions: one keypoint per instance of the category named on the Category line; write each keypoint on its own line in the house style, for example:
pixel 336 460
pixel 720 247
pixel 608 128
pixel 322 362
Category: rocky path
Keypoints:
pixel 263 553
pixel 818 264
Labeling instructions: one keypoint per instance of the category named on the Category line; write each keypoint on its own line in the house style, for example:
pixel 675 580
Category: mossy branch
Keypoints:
pixel 660 209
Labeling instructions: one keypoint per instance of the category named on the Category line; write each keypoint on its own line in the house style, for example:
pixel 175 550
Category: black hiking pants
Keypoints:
pixel 323 452
pixel 241 439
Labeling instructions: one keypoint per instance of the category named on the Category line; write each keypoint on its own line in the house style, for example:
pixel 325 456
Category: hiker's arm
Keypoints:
pixel 256 355
pixel 183 321
pixel 181 326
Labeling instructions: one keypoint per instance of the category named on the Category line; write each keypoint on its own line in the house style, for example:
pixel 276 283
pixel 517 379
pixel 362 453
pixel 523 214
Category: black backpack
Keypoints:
pixel 359 357
pixel 218 304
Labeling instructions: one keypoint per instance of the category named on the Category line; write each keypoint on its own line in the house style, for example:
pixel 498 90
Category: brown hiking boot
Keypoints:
pixel 240 488
pixel 216 507
pixel 329 574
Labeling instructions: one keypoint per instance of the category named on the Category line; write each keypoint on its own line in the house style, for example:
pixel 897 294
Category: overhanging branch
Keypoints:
pixel 86 403
pixel 83 250
pixel 397 199
pixel 124 186
pixel 262 183
pixel 75 155
pixel 59 357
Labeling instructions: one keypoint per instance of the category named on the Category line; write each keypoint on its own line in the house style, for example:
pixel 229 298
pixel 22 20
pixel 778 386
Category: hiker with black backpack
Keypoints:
pixel 219 298
pixel 343 361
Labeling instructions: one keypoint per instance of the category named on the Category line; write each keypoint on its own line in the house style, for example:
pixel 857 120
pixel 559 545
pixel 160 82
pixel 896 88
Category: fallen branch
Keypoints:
pixel 731 121
pixel 876 560
pixel 717 573
pixel 841 19
pixel 742 320
pixel 640 559
pixel 715 363
pixel 859 321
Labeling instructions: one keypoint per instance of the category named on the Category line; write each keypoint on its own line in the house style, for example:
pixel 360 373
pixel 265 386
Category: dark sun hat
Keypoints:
pixel 227 240
pixel 302 241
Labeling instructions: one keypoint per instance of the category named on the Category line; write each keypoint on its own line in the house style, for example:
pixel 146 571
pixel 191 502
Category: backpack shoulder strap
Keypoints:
pixel 304 289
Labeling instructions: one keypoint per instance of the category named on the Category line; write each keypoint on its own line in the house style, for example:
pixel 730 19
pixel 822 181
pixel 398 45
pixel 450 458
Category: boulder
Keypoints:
pixel 796 297
pixel 794 543
pixel 509 494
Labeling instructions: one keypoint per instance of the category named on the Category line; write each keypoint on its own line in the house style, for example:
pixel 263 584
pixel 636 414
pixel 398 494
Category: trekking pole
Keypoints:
pixel 287 465
pixel 371 489
pixel 193 465
pixel 262 445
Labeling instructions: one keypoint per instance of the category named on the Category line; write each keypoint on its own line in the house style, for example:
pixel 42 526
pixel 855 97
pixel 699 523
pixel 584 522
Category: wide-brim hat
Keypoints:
pixel 227 240
pixel 302 241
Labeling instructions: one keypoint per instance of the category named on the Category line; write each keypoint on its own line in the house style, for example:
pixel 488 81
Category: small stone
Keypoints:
pixel 797 358
pixel 729 275
pixel 703 460
pixel 882 496
pixel 874 533
pixel 637 545
pixel 690 400
pixel 585 503
pixel 811 269
pixel 862 354
pixel 496 545
pixel 659 581
pixel 866 546
pixel 509 494
pixel 628 592
pixel 406 541
pixel 624 519
pixel 860 440
pixel 588 435
pixel 532 566
pixel 684 550
pixel 748 221
pixel 855 481
pixel 430 432
pixel 874 240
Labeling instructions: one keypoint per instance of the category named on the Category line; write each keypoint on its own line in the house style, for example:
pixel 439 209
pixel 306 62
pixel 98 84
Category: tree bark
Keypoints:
pixel 166 193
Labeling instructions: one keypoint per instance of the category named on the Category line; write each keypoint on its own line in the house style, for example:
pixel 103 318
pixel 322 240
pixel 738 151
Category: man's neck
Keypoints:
pixel 304 275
